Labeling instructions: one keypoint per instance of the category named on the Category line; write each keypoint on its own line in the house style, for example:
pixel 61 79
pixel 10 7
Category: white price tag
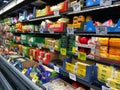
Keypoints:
pixel 76 7
pixel 105 88
pixel 31 31
pixel 56 12
pixel 40 46
pixel 56 69
pixel 23 55
pixel 70 30
pixel 101 30
pixel 51 30
pixel 41 30
pixel 72 76
pixel 51 49
pixel 105 2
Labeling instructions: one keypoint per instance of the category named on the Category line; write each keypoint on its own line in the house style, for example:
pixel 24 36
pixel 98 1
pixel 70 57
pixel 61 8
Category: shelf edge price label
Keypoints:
pixel 82 56
pixel 76 7
pixel 105 88
pixel 72 76
pixel 41 30
pixel 56 69
pixel 105 2
pixel 63 51
pixel 101 30
pixel 51 49
pixel 24 71
pixel 31 58
pixel 51 30
pixel 56 12
pixel 70 30
pixel 35 78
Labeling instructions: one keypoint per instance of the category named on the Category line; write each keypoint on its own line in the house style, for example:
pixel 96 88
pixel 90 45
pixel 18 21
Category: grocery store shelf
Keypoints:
pixel 95 8
pixel 20 75
pixel 106 61
pixel 44 17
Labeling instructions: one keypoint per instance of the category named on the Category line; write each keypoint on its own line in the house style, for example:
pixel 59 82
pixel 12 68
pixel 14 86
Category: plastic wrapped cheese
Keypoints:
pixel 114 57
pixel 114 51
pixel 103 41
pixel 103 49
pixel 114 42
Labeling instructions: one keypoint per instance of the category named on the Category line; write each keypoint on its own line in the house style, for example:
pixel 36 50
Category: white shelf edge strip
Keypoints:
pixel 92 9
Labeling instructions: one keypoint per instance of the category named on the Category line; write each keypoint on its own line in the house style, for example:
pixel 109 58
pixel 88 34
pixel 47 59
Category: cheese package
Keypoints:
pixel 114 51
pixel 114 57
pixel 104 55
pixel 114 83
pixel 103 49
pixel 117 74
pixel 70 67
pixel 81 72
pixel 114 42
pixel 103 41
pixel 104 72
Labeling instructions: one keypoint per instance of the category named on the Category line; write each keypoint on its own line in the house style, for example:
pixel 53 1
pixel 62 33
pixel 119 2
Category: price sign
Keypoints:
pixel 41 30
pixel 51 49
pixel 76 7
pixel 101 30
pixel 40 46
pixel 72 76
pixel 63 51
pixel 105 88
pixel 105 2
pixel 51 30
pixel 56 69
pixel 31 31
pixel 56 12
pixel 70 30
pixel 82 56
pixel 24 71
pixel 35 78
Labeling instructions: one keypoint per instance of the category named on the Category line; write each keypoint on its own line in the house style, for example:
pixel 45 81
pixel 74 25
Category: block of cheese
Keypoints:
pixel 103 41
pixel 103 49
pixel 114 57
pixel 114 42
pixel 104 55
pixel 114 51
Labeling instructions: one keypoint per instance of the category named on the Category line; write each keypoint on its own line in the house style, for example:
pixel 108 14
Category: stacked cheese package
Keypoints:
pixel 104 72
pixel 114 82
pixel 114 49
pixel 109 48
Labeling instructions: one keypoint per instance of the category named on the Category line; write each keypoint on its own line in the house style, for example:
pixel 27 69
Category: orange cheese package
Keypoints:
pixel 114 42
pixel 103 41
pixel 114 51
pixel 114 57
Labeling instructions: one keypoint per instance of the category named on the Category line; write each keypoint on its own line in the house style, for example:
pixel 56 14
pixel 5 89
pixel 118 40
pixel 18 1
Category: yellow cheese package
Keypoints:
pixel 114 83
pixel 81 72
pixel 104 72
pixel 114 42
pixel 117 74
pixel 70 67
pixel 103 49
pixel 114 51
pixel 114 57
pixel 103 41
pixel 104 55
